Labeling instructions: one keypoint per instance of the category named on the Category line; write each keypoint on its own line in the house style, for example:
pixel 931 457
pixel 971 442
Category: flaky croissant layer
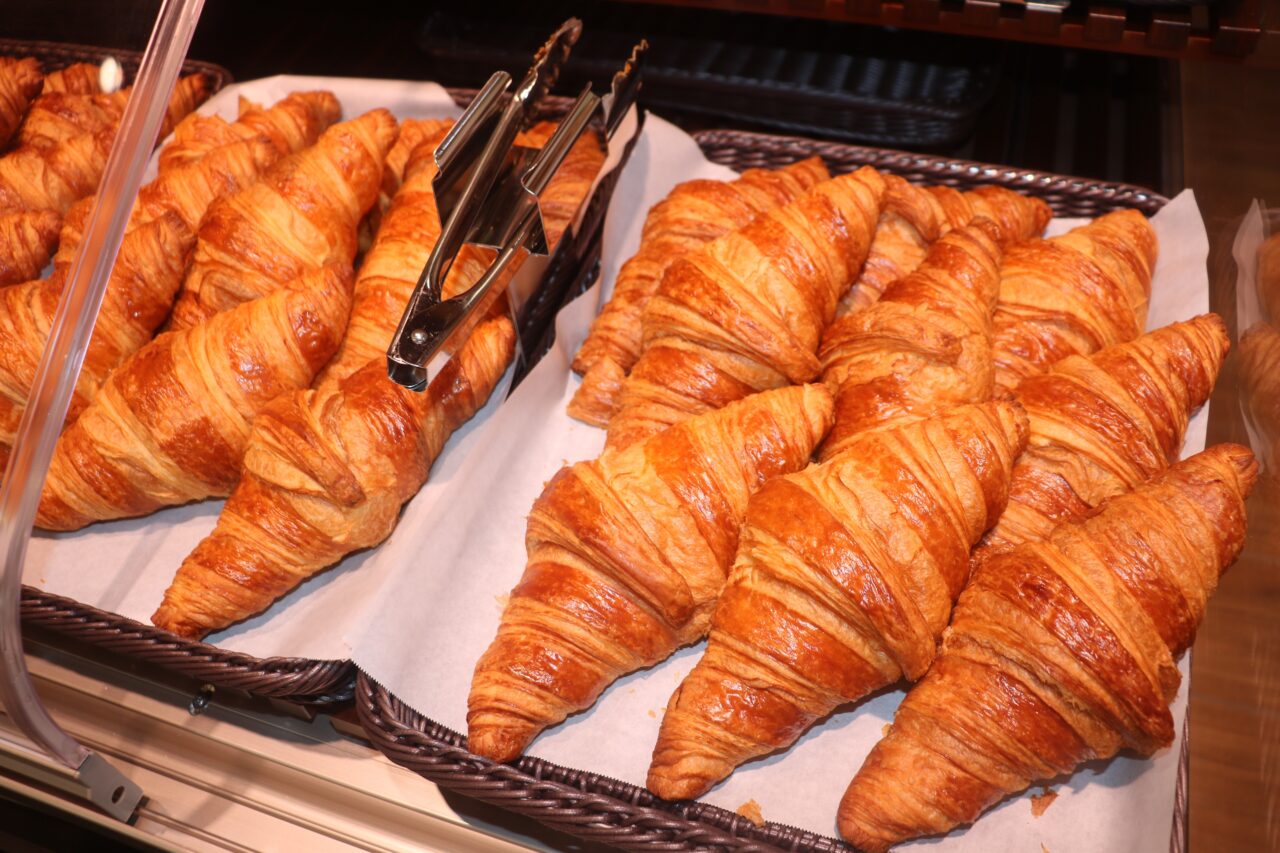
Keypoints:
pixel 843 582
pixel 1059 652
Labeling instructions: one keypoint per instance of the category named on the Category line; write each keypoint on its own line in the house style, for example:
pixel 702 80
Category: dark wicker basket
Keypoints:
pixel 617 813
pixel 304 681
pixel 54 56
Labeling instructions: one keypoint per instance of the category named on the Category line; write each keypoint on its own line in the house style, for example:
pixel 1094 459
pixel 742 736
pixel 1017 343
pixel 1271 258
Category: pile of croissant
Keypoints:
pixel 237 353
pixel 861 433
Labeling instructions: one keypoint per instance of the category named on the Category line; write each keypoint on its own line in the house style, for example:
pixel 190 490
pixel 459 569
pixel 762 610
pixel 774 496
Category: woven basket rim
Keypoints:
pixel 69 53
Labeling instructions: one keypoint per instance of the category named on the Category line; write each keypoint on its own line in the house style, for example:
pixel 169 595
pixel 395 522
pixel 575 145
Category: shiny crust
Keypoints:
pixel 745 313
pixel 693 214
pixel 627 554
pixel 1073 294
pixel 301 215
pixel 843 582
pixel 170 425
pixel 20 82
pixel 1060 651
pixel 924 345
pixel 27 239
pixel 325 474
pixel 914 217
pixel 1102 425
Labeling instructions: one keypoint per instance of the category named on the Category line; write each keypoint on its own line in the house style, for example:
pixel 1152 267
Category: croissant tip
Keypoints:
pixel 170 618
pixel 851 831
pixel 668 783
pixel 499 744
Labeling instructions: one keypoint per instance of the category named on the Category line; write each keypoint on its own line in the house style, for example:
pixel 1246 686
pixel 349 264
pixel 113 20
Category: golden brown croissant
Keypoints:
pixel 301 215
pixel 1103 424
pixel 925 345
pixel 27 239
pixel 914 217
pixel 1260 383
pixel 692 215
pixel 1059 652
pixel 170 424
pixel 59 116
pixel 745 312
pixel 843 582
pixel 1073 294
pixel 65 143
pixel 293 123
pixel 82 78
pixel 139 292
pixel 20 82
pixel 325 474
pixel 627 554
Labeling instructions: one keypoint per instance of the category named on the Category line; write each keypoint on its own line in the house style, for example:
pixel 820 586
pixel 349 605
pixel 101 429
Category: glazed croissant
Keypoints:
pixel 843 582
pixel 139 292
pixel 1059 652
pixel 27 240
pixel 291 124
pixel 1073 294
pixel 627 554
pixel 325 474
pixel 1103 424
pixel 914 217
pixel 301 215
pixel 20 82
pixel 82 78
pixel 745 312
pixel 170 425
pixel 924 346
pixel 67 145
pixel 692 215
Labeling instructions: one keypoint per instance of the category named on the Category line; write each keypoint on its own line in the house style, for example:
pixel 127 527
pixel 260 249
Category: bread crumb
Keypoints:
pixel 884 730
pixel 502 600
pixel 653 713
pixel 1040 802
pixel 751 811
pixel 1044 849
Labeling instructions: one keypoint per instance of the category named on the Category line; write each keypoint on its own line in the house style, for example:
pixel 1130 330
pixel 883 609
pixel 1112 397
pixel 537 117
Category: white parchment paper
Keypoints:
pixel 434 622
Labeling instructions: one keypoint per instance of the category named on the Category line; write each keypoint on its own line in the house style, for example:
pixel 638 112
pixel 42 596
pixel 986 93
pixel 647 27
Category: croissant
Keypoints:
pixel 1073 294
pixel 627 554
pixel 1060 651
pixel 27 239
pixel 20 82
pixel 139 291
pixel 65 143
pixel 745 313
pixel 325 474
pixel 692 215
pixel 301 215
pixel 914 217
pixel 1103 424
pixel 843 582
pixel 293 123
pixel 82 78
pixel 1259 384
pixel 59 116
pixel 925 345
pixel 170 425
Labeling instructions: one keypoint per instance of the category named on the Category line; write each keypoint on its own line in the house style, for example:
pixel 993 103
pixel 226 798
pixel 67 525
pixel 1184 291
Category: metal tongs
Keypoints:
pixel 487 188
